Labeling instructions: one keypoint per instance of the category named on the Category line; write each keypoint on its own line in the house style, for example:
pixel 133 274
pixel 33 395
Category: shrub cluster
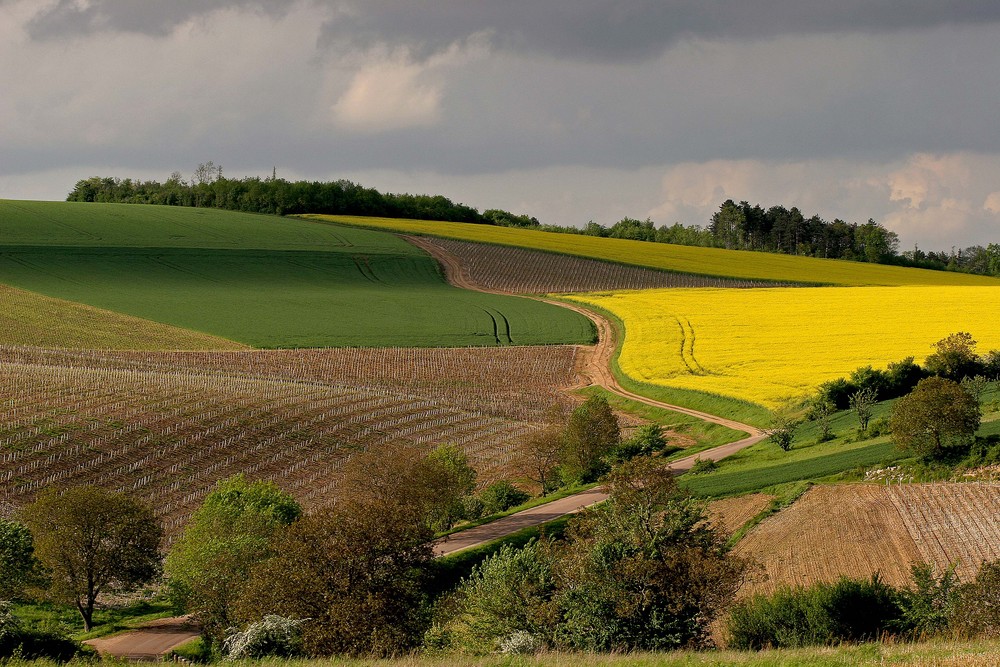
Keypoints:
pixel 862 610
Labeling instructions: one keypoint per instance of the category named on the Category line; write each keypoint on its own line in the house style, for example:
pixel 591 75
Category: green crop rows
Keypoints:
pixel 261 280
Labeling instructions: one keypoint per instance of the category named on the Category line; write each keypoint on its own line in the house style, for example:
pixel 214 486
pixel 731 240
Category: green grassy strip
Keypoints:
pixel 733 482
pixel 107 621
pixel 982 653
pixel 785 495
pixel 706 434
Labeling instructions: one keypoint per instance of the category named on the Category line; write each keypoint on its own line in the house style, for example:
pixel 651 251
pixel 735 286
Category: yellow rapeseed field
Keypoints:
pixel 769 345
pixel 683 259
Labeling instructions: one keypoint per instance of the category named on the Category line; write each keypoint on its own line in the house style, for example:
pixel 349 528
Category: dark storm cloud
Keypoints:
pixel 596 30
pixel 629 30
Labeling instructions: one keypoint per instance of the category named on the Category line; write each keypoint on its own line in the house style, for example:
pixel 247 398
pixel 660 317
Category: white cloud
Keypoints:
pixel 389 95
pixel 392 91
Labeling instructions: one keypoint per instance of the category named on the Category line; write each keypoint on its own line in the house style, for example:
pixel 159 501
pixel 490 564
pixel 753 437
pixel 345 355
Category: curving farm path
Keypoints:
pixel 596 369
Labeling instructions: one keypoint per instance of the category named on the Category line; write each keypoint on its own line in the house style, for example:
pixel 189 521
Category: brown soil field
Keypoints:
pixel 729 514
pixel 167 426
pixel 522 271
pixel 860 529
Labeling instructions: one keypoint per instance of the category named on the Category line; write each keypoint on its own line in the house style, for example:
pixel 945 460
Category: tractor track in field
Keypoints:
pixel 595 370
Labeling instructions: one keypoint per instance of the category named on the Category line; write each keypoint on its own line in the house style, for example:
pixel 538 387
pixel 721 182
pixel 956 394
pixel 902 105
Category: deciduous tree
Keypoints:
pixel 591 433
pixel 938 414
pixel 93 542
pixel 18 566
pixel 231 532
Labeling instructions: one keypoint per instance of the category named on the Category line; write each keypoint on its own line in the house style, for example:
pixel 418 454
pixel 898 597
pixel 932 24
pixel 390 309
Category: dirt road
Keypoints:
pixel 596 370
pixel 149 643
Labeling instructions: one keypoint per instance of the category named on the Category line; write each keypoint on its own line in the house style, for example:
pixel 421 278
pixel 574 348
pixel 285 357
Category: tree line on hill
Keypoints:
pixel 740 226
pixel 275 196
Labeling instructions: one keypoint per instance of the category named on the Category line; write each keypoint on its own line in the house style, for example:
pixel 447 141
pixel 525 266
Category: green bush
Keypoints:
pixel 500 497
pixel 849 610
pixel 976 612
pixel 702 466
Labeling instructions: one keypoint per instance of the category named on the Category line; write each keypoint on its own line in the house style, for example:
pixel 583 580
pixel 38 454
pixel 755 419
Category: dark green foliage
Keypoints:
pixel 954 357
pixel 357 570
pixel 93 542
pixel 647 439
pixel 838 392
pixel 849 610
pixel 901 377
pixel 29 644
pixel 501 496
pixel 938 415
pixel 868 379
pixel 930 602
pixel 701 466
pixel 643 571
pixel 976 612
pixel 591 434
pixel 512 590
pixel 453 480
pixel 18 566
pixel 273 196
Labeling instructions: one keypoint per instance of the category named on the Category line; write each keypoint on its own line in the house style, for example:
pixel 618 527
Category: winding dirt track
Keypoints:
pixel 596 370
pixel 157 639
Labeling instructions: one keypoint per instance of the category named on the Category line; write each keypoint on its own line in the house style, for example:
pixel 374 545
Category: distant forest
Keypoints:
pixel 739 226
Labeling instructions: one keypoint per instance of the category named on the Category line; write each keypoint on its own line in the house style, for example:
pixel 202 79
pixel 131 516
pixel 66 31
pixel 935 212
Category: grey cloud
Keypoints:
pixel 629 30
pixel 152 17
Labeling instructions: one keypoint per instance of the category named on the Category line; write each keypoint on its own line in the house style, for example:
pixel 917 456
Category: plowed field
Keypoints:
pixel 859 529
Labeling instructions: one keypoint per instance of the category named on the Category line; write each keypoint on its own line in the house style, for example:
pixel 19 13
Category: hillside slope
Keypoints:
pixel 260 280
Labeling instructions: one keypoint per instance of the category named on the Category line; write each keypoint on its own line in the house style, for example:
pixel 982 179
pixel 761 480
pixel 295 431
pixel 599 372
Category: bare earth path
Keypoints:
pixel 151 642
pixel 159 637
pixel 596 369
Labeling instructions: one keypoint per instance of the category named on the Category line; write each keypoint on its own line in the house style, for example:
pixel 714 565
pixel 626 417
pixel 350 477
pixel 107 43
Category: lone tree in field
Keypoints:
pixel 539 455
pixel 92 542
pixel 938 414
pixel 782 430
pixel 863 403
pixel 592 433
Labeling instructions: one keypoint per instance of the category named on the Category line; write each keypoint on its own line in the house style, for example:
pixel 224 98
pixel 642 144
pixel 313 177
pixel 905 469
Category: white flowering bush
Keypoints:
pixel 271 636
pixel 520 643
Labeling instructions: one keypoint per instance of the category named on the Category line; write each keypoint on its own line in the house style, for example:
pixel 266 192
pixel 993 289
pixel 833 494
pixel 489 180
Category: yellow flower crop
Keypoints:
pixel 768 345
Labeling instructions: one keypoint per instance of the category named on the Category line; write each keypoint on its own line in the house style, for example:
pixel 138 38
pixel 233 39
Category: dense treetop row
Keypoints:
pixel 739 226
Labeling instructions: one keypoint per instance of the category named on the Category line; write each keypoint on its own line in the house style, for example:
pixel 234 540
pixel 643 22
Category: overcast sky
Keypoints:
pixel 568 110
